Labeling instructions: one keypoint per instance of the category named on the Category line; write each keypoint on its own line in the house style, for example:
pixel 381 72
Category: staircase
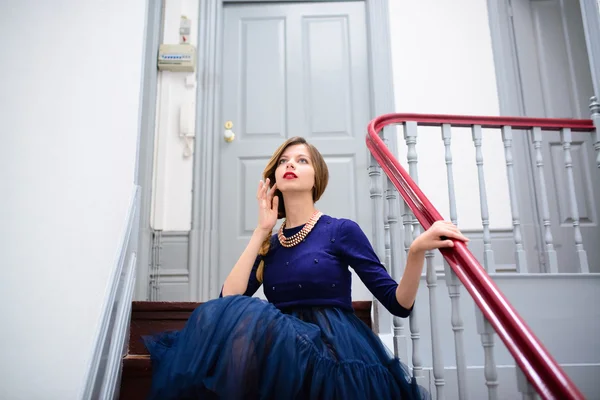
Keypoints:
pixel 555 297
pixel 154 317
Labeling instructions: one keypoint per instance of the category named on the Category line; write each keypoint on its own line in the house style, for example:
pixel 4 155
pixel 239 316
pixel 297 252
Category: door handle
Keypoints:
pixel 228 134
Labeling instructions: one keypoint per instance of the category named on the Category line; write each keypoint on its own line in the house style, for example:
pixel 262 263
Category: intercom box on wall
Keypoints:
pixel 177 57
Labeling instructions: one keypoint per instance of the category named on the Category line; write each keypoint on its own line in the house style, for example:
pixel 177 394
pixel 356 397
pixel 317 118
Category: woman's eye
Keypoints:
pixel 281 161
pixel 304 160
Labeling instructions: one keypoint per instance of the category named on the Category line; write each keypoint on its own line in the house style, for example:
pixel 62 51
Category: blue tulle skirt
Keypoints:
pixel 240 347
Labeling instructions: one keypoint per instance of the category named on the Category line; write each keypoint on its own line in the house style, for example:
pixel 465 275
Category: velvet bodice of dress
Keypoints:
pixel 316 271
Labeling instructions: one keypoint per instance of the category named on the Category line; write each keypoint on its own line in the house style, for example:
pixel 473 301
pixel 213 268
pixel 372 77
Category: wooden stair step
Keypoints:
pixel 149 318
pixel 136 379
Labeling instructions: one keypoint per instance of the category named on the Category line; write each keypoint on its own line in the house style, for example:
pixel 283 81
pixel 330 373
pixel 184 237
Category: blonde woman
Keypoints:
pixel 304 342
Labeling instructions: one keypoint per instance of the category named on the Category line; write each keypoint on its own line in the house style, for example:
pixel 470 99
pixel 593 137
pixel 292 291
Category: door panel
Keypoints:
pixel 293 70
pixel 262 76
pixel 556 83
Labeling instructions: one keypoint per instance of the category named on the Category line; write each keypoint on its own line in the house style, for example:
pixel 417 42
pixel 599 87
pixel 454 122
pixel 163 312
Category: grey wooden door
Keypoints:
pixel 292 70
pixel 556 82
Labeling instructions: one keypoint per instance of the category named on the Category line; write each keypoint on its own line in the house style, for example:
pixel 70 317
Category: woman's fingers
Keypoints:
pixel 265 195
pixel 445 223
pixel 441 234
pixel 453 234
pixel 272 191
pixel 269 196
pixel 261 193
pixel 265 188
pixel 446 230
pixel 460 236
pixel 258 191
pixel 443 242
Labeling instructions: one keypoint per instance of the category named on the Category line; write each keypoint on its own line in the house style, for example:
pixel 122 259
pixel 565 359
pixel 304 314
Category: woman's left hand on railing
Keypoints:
pixel 438 236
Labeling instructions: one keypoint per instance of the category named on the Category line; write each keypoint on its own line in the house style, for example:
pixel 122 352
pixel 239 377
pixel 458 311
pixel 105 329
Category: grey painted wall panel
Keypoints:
pixel 174 277
pixel 174 255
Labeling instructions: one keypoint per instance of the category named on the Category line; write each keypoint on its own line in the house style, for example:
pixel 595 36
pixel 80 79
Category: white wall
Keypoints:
pixel 172 184
pixel 443 63
pixel 70 84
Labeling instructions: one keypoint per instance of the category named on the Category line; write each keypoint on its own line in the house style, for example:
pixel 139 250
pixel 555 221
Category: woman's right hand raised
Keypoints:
pixel 268 204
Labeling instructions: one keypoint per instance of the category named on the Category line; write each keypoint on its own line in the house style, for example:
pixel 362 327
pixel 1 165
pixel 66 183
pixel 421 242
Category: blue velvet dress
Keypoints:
pixel 305 342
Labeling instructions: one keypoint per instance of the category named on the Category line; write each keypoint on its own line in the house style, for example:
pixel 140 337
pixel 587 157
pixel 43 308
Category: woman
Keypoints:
pixel 305 342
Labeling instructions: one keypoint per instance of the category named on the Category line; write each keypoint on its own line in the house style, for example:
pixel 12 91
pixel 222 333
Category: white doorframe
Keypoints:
pixel 145 143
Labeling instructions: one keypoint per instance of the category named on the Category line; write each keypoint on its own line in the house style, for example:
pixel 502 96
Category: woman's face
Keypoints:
pixel 295 172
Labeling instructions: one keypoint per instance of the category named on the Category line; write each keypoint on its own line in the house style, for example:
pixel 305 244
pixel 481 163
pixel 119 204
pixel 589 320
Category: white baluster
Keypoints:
pixel 410 136
pixel 431 279
pixel 452 281
pixel 566 139
pixel 396 263
pixel 396 254
pixel 484 329
pixel 381 319
pixel 488 254
pixel 551 260
pixel 394 245
pixel 386 227
pixel 438 359
pixel 520 257
pixel 396 266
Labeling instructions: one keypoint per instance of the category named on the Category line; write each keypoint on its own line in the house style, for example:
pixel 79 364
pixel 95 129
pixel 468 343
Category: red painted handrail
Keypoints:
pixel 538 365
pixel 549 124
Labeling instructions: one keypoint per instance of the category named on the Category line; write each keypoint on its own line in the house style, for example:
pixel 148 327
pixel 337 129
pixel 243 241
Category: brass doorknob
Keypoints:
pixel 228 134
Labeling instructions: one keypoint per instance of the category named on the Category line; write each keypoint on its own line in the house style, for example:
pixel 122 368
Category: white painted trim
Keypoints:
pixel 146 138
pixel 118 343
pixel 118 291
pixel 202 240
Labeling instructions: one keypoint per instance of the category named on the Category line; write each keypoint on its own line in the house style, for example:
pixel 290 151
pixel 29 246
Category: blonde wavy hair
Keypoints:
pixel 321 180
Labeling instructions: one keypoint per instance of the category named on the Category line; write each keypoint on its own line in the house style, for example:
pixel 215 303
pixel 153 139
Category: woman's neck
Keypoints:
pixel 298 209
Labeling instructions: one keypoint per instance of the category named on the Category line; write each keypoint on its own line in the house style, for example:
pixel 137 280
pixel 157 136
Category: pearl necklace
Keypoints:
pixel 298 237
